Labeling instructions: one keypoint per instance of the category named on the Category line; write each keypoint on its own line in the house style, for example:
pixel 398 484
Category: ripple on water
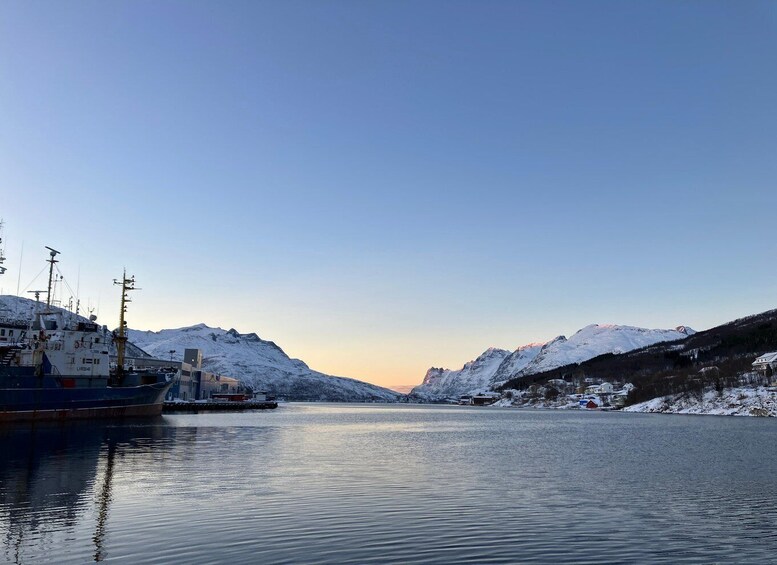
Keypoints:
pixel 393 484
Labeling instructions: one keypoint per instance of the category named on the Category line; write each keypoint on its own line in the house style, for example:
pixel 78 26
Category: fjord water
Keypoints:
pixel 391 484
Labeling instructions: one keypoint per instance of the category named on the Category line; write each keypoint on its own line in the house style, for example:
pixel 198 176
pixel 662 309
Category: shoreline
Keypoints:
pixel 737 401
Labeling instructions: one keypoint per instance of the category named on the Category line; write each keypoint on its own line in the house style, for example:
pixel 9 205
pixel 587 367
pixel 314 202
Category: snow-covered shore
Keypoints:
pixel 739 401
pixel 541 403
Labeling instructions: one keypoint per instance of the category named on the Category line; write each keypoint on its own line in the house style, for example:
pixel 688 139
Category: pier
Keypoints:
pixel 194 406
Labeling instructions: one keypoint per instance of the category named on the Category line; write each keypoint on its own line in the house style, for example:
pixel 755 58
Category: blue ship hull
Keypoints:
pixel 45 398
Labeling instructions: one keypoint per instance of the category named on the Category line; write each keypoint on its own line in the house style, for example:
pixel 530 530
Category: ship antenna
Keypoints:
pixel 37 294
pixel 51 261
pixel 127 284
pixel 19 274
pixel 2 250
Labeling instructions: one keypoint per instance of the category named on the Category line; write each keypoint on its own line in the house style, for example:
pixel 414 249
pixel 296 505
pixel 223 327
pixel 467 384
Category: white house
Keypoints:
pixel 602 388
pixel 605 388
pixel 766 364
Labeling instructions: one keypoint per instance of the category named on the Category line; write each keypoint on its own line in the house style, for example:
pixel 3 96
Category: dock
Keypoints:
pixel 194 406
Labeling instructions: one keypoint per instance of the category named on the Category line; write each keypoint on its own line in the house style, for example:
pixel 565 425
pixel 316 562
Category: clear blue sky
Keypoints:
pixel 384 186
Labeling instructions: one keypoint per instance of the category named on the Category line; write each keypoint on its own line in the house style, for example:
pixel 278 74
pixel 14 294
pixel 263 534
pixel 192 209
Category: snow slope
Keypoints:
pixel 591 341
pixel 738 401
pixel 516 362
pixel 473 377
pixel 18 308
pixel 595 340
pixel 259 363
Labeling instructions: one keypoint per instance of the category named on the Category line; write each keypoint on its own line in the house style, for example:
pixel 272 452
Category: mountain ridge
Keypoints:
pixel 588 342
pixel 717 357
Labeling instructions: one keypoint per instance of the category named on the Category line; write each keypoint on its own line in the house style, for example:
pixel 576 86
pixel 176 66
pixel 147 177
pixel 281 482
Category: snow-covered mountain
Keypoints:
pixel 495 366
pixel 515 362
pixel 472 377
pixel 259 363
pixel 595 340
pixel 19 308
pixel 264 366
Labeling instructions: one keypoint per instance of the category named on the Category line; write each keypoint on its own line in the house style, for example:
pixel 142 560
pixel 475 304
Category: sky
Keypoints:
pixel 381 187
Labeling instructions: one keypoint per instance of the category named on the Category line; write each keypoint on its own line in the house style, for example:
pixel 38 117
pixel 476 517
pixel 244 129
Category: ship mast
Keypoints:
pixel 127 284
pixel 51 261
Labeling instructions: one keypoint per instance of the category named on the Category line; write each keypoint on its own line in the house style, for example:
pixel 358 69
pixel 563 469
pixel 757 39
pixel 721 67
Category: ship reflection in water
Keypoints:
pixel 56 483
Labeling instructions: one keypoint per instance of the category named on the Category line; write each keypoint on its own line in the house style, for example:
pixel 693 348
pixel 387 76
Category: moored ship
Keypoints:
pixel 58 366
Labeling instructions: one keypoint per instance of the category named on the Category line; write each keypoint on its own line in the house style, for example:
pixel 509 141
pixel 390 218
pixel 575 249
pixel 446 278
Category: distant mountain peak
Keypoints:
pixel 557 339
pixel 195 328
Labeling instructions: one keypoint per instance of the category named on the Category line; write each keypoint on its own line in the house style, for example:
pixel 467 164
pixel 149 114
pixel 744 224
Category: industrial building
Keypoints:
pixel 192 382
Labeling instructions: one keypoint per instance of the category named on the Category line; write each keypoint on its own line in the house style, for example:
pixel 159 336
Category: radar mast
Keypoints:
pixel 127 284
pixel 53 253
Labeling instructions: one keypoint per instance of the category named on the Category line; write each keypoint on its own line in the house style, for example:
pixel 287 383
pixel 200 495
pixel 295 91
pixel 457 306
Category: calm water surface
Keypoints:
pixel 391 484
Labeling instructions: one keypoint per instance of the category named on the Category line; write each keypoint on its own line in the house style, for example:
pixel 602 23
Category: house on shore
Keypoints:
pixel 485 398
pixel 766 364
pixel 601 388
pixel 480 399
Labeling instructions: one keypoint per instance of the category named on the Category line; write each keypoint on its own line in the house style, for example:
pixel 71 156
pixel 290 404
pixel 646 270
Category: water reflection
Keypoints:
pixel 360 484
pixel 52 476
pixel 45 475
pixel 104 501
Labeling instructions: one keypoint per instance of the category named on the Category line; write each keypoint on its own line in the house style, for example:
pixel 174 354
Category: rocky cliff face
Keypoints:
pixel 472 377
